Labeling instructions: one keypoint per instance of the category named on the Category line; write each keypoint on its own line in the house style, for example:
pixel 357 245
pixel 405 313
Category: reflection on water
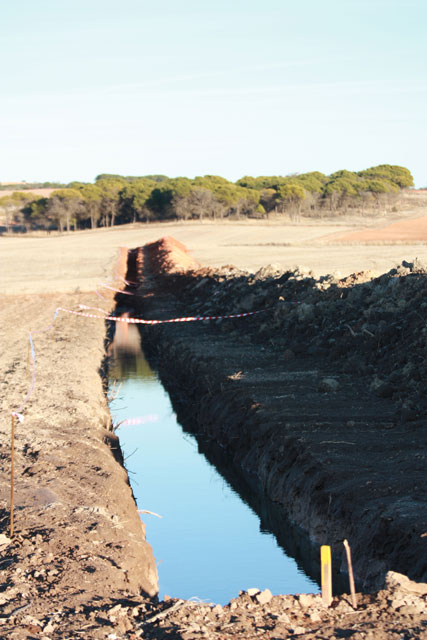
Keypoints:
pixel 125 366
pixel 127 360
pixel 208 542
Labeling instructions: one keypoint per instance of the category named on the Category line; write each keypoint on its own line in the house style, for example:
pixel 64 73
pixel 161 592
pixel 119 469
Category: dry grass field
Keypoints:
pixel 45 193
pixel 80 260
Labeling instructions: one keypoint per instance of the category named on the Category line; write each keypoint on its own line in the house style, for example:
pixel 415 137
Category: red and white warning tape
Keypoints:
pixel 151 322
pixel 85 306
pixel 17 413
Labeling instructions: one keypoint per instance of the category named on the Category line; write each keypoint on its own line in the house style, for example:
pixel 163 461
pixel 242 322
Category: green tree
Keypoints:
pixel 166 194
pixel 63 207
pixel 200 202
pixel 110 196
pixel 337 191
pixel 290 196
pixel 268 198
pixel 234 198
pixel 134 199
pixel 312 182
pixel 108 176
pixel 91 196
pixel 15 208
pixel 35 212
pixel 9 206
pixel 156 177
pixel 262 182
pixel 399 176
pixel 248 182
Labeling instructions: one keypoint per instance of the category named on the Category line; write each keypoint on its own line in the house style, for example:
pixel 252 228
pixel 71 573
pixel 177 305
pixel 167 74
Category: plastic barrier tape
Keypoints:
pixel 151 322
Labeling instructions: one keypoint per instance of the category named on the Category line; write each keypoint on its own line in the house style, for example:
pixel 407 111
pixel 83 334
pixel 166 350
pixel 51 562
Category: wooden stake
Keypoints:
pixel 350 574
pixel 12 468
pixel 326 573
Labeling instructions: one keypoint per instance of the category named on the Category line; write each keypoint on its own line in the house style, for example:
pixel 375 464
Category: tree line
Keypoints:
pixel 114 199
pixel 26 186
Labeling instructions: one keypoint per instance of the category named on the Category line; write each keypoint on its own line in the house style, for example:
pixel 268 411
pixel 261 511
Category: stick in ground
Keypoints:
pixel 12 465
pixel 350 574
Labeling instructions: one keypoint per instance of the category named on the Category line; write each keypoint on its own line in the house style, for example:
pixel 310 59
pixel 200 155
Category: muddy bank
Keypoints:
pixel 79 542
pixel 314 413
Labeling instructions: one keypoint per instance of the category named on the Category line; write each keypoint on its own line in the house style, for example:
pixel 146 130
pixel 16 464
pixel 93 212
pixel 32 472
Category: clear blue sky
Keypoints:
pixel 229 87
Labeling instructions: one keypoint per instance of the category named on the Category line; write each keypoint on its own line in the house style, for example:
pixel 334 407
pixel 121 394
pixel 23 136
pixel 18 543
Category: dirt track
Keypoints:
pixel 76 528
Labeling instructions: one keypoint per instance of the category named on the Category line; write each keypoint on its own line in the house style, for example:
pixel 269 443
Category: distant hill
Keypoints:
pixel 22 185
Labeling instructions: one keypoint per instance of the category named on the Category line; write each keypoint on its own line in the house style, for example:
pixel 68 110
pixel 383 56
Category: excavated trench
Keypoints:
pixel 333 465
pixel 215 533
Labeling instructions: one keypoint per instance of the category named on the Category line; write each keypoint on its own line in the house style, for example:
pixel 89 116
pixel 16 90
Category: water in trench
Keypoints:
pixel 208 543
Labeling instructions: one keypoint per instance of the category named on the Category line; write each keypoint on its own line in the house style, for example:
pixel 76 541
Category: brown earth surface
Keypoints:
pixel 78 540
pixel 78 565
pixel 405 231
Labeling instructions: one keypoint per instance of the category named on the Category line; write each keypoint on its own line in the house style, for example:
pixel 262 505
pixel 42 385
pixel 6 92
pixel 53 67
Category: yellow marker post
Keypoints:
pixel 326 574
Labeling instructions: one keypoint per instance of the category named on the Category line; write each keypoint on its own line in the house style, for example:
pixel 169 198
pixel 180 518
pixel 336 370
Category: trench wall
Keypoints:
pixel 284 465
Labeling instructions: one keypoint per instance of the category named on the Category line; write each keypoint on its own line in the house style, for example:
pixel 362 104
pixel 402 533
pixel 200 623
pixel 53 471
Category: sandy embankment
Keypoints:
pixel 78 537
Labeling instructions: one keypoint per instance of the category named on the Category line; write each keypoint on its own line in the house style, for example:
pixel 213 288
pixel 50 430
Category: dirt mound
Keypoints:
pixel 372 327
pixel 169 256
pixel 392 613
